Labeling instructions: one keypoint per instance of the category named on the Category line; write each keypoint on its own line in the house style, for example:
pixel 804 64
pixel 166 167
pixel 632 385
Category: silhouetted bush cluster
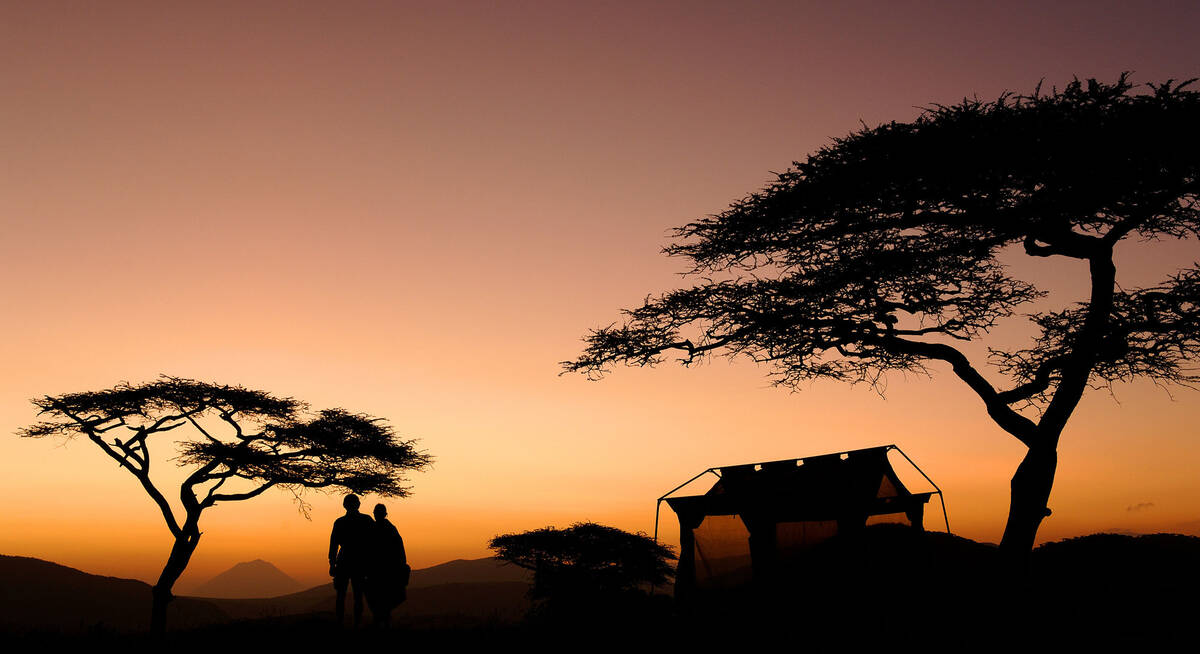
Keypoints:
pixel 589 569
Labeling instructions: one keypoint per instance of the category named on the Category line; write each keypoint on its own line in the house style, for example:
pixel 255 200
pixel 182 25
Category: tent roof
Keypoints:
pixel 825 487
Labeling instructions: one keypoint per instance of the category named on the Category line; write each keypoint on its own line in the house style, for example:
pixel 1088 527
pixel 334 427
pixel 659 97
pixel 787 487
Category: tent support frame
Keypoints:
pixel 658 504
pixel 941 498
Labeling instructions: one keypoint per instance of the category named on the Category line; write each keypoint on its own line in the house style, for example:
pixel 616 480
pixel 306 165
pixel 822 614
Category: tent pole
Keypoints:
pixel 658 504
pixel 658 507
pixel 941 498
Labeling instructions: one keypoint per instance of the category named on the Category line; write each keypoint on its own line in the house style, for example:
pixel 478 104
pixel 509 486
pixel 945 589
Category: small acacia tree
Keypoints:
pixel 586 560
pixel 240 437
pixel 883 250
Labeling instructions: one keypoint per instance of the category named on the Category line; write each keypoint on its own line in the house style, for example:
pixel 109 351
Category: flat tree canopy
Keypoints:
pixel 883 250
pixel 249 439
pixel 586 559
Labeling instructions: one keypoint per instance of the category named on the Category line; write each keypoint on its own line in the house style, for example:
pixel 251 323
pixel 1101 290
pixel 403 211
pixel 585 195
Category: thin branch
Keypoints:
pixel 187 494
pixel 227 416
pixel 1012 422
pixel 198 427
pixel 130 452
pixel 1042 378
pixel 213 491
pixel 235 497
pixel 144 479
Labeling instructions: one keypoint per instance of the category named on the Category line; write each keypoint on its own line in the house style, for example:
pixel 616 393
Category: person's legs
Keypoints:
pixel 357 582
pixel 339 585
pixel 374 600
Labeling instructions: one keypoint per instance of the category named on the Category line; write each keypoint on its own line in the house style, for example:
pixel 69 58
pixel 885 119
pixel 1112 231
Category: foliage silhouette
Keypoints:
pixel 240 436
pixel 881 251
pixel 586 563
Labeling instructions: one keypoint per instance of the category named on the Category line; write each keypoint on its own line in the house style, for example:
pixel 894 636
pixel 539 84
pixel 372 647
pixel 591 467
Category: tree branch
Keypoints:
pixel 1012 422
pixel 234 497
pixel 200 429
pixel 1122 229
pixel 227 416
pixel 187 494
pixel 1062 242
pixel 1038 384
pixel 143 478
pixel 142 461
pixel 213 491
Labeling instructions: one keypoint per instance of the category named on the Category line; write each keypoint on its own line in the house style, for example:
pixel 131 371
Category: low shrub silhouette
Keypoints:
pixel 589 570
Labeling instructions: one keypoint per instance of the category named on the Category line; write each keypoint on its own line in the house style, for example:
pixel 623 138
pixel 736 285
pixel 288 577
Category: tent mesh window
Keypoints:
pixel 889 519
pixel 722 552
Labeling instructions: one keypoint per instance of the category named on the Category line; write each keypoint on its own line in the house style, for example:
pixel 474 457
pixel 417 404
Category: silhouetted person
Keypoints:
pixel 350 553
pixel 389 573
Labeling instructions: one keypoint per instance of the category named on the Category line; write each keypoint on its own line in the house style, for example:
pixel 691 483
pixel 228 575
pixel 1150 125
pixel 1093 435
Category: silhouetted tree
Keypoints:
pixel 884 249
pixel 245 438
pixel 586 560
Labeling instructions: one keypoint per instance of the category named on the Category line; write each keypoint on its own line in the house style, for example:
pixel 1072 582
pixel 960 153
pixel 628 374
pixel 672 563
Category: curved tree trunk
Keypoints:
pixel 181 553
pixel 1028 506
pixel 1035 476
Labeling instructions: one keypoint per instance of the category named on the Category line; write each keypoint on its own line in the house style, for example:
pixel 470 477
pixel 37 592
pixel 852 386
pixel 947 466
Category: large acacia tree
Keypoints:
pixel 886 249
pixel 242 442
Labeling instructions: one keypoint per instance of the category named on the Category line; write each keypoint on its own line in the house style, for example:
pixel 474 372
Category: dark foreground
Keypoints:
pixel 894 586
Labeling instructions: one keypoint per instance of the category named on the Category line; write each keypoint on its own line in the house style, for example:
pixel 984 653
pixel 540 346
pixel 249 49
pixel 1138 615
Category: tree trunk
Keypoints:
pixel 1035 476
pixel 181 553
pixel 1028 506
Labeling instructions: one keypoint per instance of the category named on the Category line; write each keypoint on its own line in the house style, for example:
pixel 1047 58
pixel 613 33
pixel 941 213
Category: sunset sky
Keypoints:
pixel 416 210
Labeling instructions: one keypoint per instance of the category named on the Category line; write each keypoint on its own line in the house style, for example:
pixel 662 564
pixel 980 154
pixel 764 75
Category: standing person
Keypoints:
pixel 350 549
pixel 390 572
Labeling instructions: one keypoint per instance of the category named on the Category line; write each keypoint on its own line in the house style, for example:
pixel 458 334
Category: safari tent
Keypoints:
pixel 759 519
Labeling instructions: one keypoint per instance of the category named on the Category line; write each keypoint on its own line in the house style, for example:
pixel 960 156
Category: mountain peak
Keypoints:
pixel 257 578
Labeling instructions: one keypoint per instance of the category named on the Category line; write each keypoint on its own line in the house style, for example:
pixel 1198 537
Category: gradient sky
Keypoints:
pixel 416 210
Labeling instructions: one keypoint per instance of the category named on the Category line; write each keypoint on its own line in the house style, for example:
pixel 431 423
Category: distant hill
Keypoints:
pixel 39 595
pixel 256 578
pixel 260 579
pixel 503 601
pixel 1159 561
pixel 470 589
pixel 469 571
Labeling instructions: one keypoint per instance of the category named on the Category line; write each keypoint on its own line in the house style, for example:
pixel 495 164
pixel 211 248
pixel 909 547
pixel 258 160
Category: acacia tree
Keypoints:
pixel 885 249
pixel 246 438
pixel 585 560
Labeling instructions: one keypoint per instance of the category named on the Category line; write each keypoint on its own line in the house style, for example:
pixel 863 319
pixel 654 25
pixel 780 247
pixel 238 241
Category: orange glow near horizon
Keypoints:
pixel 416 210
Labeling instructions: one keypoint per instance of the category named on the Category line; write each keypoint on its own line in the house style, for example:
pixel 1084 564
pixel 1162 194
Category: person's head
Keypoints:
pixel 351 503
pixel 380 512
